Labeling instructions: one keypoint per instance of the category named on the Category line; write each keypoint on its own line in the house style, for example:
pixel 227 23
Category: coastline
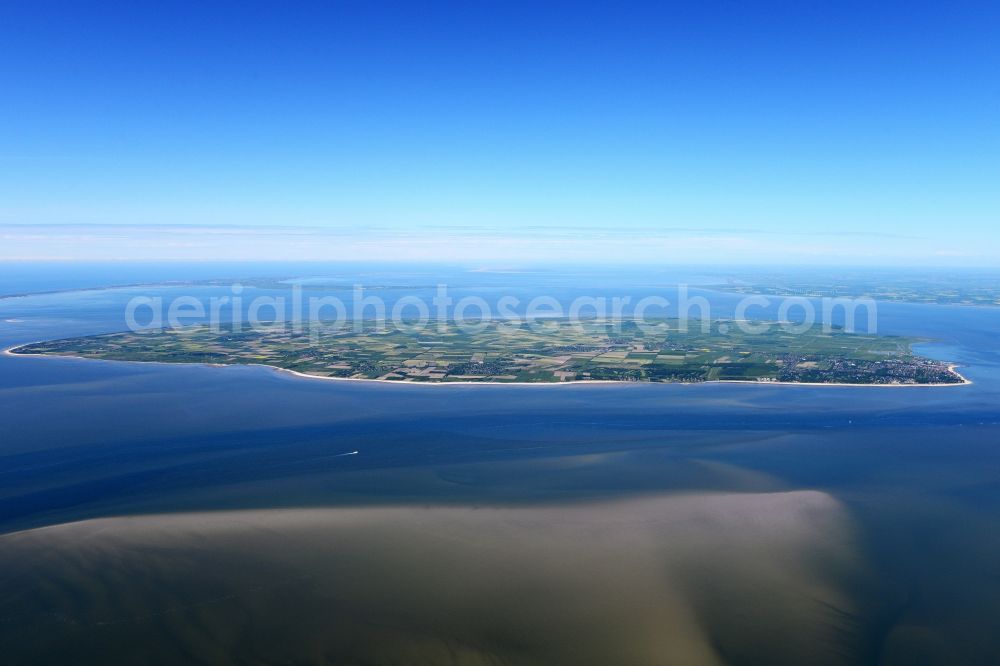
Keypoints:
pixel 11 351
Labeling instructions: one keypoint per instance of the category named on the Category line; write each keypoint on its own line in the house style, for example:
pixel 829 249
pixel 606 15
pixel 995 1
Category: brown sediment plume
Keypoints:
pixel 671 579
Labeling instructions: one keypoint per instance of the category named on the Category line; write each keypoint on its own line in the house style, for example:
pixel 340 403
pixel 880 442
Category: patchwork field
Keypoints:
pixel 549 351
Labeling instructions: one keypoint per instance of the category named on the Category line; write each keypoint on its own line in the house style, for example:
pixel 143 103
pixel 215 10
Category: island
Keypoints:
pixel 552 351
pixel 981 288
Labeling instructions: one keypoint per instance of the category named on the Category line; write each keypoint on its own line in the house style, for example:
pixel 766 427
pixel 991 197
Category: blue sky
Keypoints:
pixel 802 132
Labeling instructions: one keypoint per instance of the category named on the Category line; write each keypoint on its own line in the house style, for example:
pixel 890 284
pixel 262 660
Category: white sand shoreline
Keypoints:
pixel 12 351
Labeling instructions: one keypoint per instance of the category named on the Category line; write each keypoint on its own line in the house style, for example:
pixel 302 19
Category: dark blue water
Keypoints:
pixel 156 435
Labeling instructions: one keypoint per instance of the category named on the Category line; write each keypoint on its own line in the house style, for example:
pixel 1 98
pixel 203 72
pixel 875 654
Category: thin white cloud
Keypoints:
pixel 464 244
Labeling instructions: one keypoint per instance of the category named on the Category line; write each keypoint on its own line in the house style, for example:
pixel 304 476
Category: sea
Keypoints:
pixel 170 513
